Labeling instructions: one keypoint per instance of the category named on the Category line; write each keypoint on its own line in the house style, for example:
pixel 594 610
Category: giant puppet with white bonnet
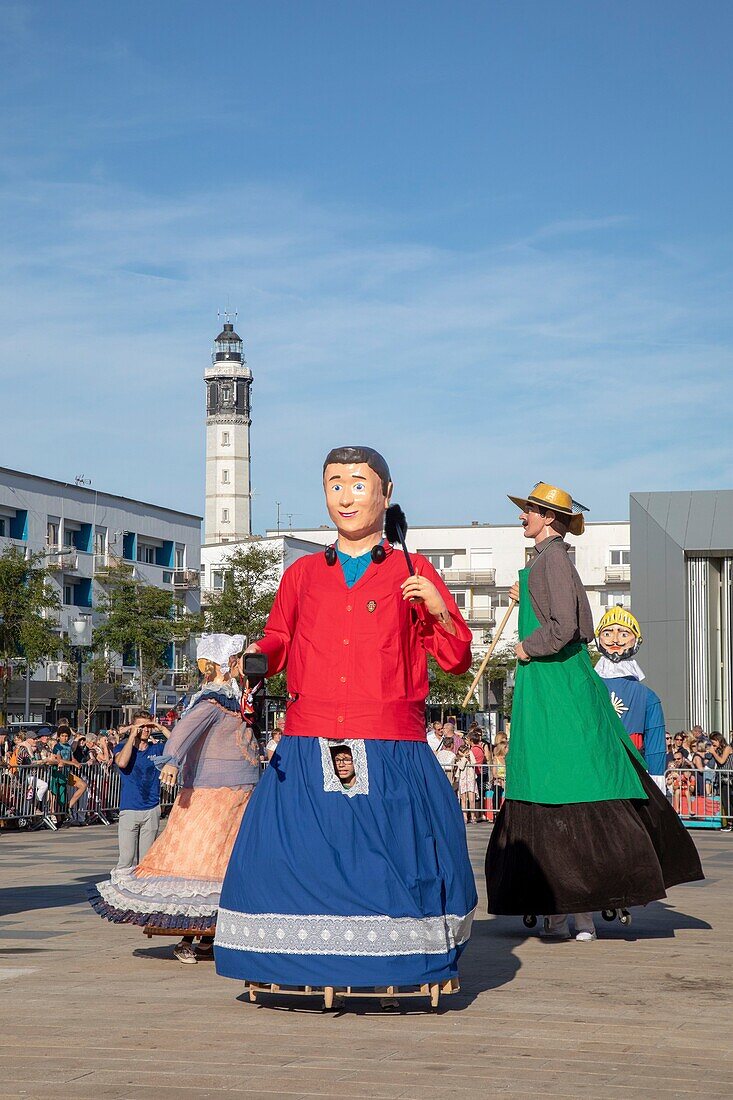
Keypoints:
pixel 618 637
pixel 213 754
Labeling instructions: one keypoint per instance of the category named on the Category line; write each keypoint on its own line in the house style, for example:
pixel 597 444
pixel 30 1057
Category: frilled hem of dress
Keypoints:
pixel 587 856
pixel 163 902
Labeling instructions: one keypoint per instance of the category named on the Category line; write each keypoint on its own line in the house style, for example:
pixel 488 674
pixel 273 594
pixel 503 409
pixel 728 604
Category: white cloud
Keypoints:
pixel 476 371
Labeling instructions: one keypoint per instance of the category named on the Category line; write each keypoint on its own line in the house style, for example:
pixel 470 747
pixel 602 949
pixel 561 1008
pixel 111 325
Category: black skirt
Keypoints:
pixel 587 856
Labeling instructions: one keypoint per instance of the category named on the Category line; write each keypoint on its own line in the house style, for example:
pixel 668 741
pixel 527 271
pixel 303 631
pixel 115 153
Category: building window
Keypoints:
pixel 530 554
pixel 621 556
pixel 180 560
pixel 225 439
pixel 225 477
pixel 217 580
pixel 52 532
pixel 460 598
pixel 69 594
pixel 167 578
pixel 100 540
pixel 500 599
pixel 441 559
pixel 146 554
pixel 613 599
pixel 226 393
pixel 225 515
pixel 2 527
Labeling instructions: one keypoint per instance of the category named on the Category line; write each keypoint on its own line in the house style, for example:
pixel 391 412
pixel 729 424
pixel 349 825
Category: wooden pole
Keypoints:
pixel 489 651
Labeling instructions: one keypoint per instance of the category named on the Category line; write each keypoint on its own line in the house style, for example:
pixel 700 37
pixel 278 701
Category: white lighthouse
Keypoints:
pixel 228 516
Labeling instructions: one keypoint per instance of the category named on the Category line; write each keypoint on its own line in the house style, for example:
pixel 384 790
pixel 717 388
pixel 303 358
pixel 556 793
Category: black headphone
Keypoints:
pixel 378 554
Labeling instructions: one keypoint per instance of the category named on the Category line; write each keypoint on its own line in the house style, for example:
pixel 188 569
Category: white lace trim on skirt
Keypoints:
pixel 277 933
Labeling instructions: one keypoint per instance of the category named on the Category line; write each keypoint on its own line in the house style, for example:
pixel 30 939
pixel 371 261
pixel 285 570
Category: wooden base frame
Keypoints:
pixel 334 996
pixel 151 930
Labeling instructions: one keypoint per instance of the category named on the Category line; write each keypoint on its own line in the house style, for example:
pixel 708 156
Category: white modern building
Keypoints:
pixel 85 535
pixel 228 513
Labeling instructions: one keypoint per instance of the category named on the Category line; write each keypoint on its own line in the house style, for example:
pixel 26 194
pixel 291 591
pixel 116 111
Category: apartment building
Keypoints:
pixel 85 535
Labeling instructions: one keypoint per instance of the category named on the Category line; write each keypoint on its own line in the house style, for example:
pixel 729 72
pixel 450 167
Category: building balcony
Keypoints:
pixel 106 565
pixel 618 574
pixel 184 579
pixel 473 577
pixel 484 615
pixel 63 561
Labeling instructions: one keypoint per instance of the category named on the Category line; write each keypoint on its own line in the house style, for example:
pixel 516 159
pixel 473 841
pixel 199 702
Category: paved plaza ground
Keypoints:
pixel 92 1010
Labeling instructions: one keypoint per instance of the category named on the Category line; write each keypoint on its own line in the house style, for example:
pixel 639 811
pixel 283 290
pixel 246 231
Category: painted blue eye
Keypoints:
pixel 359 487
pixel 336 488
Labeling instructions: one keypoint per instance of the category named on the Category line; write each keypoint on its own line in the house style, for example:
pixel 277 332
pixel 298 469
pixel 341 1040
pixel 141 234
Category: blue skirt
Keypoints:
pixel 364 886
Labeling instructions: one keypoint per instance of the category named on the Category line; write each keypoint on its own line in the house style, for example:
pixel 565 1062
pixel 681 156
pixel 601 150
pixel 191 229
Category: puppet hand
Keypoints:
pixel 169 775
pixel 514 592
pixel 520 653
pixel 420 588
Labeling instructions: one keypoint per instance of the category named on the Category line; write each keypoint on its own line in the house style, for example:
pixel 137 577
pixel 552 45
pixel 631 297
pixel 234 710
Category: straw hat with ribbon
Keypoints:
pixel 557 500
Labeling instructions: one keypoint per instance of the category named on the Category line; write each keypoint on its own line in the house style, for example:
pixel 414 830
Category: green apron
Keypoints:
pixel 567 743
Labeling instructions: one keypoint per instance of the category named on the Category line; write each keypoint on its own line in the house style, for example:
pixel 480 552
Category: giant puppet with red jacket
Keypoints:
pixel 351 866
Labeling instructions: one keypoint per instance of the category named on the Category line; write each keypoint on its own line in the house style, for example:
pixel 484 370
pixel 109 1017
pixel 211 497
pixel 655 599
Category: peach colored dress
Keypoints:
pixel 177 884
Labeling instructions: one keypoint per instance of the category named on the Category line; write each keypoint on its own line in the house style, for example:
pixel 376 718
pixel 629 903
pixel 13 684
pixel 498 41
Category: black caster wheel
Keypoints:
pixel 529 920
pixel 609 914
pixel 625 917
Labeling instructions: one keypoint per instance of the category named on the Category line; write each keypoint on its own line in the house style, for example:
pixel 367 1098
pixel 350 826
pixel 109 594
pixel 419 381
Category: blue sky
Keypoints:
pixel 492 239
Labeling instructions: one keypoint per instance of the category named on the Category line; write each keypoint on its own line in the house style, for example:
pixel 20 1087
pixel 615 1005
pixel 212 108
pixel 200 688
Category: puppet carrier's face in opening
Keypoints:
pixel 617 643
pixel 343 765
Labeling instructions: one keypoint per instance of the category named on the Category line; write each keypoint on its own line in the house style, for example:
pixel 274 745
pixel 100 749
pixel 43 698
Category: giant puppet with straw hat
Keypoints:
pixel 351 870
pixel 583 826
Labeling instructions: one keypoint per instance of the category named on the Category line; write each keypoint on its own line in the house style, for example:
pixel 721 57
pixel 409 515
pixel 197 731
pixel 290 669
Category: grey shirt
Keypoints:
pixel 559 601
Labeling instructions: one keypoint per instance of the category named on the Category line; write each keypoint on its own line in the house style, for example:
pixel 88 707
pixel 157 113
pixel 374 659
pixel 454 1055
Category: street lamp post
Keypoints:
pixel 79 625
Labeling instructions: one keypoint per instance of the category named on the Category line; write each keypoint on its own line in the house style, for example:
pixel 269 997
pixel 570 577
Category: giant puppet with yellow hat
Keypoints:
pixel 618 637
pixel 583 826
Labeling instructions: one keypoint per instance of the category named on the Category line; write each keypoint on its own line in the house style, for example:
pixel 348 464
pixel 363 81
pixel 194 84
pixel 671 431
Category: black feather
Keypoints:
pixel 395 524
pixel 395 529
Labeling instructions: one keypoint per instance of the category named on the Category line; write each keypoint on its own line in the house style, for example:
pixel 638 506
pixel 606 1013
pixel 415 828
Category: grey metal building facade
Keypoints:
pixel 682 594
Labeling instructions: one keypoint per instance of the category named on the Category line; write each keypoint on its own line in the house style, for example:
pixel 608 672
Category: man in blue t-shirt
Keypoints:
pixel 139 789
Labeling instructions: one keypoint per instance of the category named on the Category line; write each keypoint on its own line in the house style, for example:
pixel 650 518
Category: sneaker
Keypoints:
pixel 185 952
pixel 586 937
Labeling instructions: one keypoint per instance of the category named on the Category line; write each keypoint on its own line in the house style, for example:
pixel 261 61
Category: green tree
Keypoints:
pixel 251 575
pixel 448 691
pixel 29 609
pixel 97 678
pixel 140 623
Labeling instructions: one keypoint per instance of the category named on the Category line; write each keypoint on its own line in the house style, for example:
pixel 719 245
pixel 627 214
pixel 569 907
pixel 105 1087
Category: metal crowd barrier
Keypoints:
pixel 38 795
pixel 701 796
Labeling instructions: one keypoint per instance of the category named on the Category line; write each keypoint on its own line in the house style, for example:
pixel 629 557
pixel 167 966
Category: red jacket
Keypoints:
pixel 356 657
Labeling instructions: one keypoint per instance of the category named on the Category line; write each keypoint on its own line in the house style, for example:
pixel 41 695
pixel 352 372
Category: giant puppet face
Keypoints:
pixel 618 635
pixel 355 499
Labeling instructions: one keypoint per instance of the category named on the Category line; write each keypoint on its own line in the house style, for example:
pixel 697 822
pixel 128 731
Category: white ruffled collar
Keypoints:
pixel 607 670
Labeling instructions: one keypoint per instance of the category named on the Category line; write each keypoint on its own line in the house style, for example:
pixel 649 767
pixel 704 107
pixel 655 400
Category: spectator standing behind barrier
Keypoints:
pixel 27 753
pixel 722 754
pixel 139 790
